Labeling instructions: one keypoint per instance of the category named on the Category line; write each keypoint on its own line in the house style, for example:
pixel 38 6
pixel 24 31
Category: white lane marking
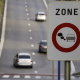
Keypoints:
pixel 72 68
pixel 29 30
pixel 3 27
pixel 30 37
pixel 16 76
pixel 48 77
pixel 34 62
pixel 72 77
pixel 35 72
pixel 45 3
pixel 26 9
pixel 27 76
pixel 25 2
pixel 27 14
pixel 29 24
pixel 38 77
pixel 5 76
pixel 27 18
pixel 33 53
pixel 25 6
pixel 61 78
pixel 32 45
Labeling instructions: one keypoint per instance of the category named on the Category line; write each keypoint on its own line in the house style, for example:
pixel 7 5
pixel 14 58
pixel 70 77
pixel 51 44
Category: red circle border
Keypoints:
pixel 55 41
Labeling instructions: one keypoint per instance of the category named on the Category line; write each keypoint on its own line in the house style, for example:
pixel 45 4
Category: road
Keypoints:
pixel 23 34
pixel 17 38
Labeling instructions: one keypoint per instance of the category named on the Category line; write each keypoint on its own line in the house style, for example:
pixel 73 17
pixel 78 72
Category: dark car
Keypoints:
pixel 43 46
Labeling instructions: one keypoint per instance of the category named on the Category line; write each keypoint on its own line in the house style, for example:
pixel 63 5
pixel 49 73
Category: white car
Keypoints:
pixel 23 59
pixel 40 16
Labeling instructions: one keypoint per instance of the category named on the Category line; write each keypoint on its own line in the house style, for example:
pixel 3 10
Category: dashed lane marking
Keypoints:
pixel 35 72
pixel 16 76
pixel 27 18
pixel 34 62
pixel 5 76
pixel 38 77
pixel 72 77
pixel 61 78
pixel 32 45
pixel 25 2
pixel 29 24
pixel 48 77
pixel 26 9
pixel 30 37
pixel 29 30
pixel 25 6
pixel 27 76
pixel 33 53
pixel 27 14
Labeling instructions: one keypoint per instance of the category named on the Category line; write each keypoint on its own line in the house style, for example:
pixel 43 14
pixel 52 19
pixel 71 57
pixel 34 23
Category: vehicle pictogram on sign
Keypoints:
pixel 70 37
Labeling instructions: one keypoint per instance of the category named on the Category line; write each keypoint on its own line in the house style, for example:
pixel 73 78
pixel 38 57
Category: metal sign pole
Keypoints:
pixel 58 70
pixel 53 70
pixel 67 70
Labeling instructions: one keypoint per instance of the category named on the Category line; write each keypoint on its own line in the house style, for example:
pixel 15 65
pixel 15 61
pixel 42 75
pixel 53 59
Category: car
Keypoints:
pixel 70 37
pixel 40 16
pixel 23 59
pixel 43 46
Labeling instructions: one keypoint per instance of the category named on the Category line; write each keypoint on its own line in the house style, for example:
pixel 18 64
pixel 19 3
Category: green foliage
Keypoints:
pixel 1 4
pixel 78 73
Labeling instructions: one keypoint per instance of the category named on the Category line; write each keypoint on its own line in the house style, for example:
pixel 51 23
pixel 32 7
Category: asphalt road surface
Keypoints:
pixel 23 34
pixel 17 36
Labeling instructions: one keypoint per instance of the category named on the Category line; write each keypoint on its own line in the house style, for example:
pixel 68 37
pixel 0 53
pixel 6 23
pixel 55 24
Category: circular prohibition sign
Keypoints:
pixel 55 41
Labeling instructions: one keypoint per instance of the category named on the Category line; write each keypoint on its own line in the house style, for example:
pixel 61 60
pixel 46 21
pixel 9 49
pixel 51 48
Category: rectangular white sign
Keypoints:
pixel 63 34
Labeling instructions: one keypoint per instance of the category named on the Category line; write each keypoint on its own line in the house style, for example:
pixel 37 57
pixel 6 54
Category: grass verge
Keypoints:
pixel 1 4
pixel 76 74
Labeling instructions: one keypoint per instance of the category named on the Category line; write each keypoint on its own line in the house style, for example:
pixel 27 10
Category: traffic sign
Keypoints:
pixel 63 30
pixel 72 37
